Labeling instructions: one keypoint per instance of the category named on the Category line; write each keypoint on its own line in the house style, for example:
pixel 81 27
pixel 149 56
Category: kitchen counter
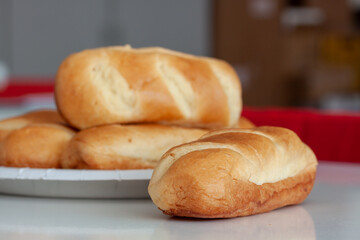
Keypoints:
pixel 332 211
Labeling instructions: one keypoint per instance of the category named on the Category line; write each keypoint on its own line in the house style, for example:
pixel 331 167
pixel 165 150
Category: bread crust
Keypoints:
pixel 124 146
pixel 233 172
pixel 245 123
pixel 35 146
pixel 39 116
pixel 125 85
pixel 251 199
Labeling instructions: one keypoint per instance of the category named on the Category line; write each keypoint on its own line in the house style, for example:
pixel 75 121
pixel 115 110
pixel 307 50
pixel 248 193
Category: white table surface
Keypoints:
pixel 332 211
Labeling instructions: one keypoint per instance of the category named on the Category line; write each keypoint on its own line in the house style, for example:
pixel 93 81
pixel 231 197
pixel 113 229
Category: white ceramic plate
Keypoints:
pixel 75 183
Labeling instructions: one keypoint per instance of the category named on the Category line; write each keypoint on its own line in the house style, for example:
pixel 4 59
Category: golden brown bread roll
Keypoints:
pixel 125 85
pixel 35 146
pixel 124 146
pixel 234 172
pixel 39 116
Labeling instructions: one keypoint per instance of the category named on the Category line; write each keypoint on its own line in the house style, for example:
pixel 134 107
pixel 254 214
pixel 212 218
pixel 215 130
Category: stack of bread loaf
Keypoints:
pixel 125 108
pixel 122 108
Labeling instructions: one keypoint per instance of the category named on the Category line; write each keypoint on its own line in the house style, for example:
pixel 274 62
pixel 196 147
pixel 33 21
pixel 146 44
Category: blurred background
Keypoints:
pixel 288 53
pixel 298 60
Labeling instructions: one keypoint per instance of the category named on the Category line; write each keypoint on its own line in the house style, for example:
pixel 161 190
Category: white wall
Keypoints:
pixel 36 35
pixel 5 31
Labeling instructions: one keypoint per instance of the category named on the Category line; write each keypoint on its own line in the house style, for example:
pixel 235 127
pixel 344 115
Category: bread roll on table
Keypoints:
pixel 234 172
pixel 126 85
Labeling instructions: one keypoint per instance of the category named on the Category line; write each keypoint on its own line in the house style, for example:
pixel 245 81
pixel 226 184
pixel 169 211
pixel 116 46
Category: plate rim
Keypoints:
pixel 53 174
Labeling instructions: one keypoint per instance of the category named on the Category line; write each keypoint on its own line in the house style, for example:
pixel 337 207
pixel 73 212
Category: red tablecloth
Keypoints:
pixel 333 137
pixel 20 87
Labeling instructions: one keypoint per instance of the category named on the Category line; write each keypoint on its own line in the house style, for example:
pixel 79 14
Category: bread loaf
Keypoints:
pixel 39 116
pixel 245 123
pixel 125 85
pixel 234 172
pixel 124 147
pixel 35 146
